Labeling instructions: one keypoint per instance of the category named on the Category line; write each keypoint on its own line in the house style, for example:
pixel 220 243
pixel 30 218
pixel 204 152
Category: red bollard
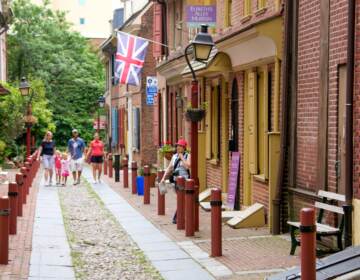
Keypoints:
pixel 161 197
pixel 19 178
pixel 23 170
pixel 189 207
pixel 110 165
pixel 308 244
pixel 13 197
pixel 180 203
pixel 125 172
pixel 4 229
pixel 216 230
pixel 197 204
pixel 146 184
pixel 105 165
pixel 133 177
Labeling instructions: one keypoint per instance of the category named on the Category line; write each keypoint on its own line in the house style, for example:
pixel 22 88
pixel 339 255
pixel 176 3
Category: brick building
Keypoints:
pixel 240 84
pixel 130 118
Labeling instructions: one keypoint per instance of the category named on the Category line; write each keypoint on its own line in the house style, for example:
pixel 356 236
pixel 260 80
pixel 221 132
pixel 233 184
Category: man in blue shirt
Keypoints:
pixel 76 148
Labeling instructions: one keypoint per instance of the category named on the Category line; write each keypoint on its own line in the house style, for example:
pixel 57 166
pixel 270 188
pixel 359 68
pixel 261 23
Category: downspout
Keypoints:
pixel 349 125
pixel 286 76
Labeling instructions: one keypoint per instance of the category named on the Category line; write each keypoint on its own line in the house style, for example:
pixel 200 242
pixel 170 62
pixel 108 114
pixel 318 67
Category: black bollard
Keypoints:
pixel 117 168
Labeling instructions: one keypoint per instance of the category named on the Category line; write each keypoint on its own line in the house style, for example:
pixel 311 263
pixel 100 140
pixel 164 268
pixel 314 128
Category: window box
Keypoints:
pixel 195 114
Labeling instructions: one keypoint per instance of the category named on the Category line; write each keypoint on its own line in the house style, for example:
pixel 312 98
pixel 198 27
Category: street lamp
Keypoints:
pixel 101 102
pixel 202 46
pixel 25 91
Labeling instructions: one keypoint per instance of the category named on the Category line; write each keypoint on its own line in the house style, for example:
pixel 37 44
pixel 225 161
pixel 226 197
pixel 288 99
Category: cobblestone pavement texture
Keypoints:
pixel 21 243
pixel 101 249
pixel 249 253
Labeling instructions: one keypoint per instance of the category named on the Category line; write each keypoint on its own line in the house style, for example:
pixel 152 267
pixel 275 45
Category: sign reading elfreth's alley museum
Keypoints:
pixel 201 12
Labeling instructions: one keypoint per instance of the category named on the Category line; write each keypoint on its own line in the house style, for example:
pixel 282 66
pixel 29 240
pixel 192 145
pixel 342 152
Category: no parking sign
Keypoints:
pixel 151 89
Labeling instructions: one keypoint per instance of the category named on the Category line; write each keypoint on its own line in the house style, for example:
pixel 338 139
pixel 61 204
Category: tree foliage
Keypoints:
pixel 12 110
pixel 42 45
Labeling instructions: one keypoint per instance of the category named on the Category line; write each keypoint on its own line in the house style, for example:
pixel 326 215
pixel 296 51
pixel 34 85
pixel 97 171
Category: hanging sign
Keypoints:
pixel 233 179
pixel 200 12
pixel 102 122
pixel 151 89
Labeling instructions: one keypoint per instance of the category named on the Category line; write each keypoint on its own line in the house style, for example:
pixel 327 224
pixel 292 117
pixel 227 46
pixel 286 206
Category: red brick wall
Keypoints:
pixel 308 92
pixel 337 56
pixel 260 194
pixel 148 149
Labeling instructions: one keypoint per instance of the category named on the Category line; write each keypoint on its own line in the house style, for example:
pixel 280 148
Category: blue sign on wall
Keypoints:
pixel 151 89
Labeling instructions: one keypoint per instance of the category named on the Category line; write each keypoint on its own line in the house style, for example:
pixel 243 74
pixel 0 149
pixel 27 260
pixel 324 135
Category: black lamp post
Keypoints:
pixel 201 46
pixel 25 91
pixel 101 102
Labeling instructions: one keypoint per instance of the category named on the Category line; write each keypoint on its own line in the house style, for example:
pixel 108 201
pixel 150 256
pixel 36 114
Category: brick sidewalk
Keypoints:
pixel 264 253
pixel 20 244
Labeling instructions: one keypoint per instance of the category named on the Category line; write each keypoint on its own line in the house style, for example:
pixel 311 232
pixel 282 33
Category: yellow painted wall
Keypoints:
pixel 224 134
pixel 356 222
pixel 202 159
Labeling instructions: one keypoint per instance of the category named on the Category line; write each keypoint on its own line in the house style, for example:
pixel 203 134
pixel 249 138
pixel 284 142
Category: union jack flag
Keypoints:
pixel 129 59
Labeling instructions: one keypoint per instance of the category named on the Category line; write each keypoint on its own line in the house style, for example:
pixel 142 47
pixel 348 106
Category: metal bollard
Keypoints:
pixel 110 165
pixel 197 204
pixel 4 229
pixel 19 178
pixel 180 203
pixel 189 207
pixel 117 167
pixel 133 177
pixel 105 164
pixel 161 197
pixel 308 244
pixel 125 169
pixel 216 230
pixel 23 170
pixel 13 197
pixel 146 184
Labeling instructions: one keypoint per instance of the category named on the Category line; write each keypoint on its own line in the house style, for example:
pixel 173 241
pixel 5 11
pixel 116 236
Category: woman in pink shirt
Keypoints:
pixel 96 154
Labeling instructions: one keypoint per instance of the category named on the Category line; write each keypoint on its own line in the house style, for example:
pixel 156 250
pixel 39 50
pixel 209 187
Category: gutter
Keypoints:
pixel 349 125
pixel 287 92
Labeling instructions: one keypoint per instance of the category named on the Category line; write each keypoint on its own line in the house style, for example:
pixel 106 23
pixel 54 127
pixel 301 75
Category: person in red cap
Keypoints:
pixel 179 166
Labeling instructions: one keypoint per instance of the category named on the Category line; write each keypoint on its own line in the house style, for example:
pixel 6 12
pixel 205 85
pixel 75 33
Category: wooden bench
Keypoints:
pixel 322 229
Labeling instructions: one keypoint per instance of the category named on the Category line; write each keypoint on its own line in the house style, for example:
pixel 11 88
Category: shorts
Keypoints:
pixel 65 173
pixel 76 164
pixel 48 161
pixel 96 159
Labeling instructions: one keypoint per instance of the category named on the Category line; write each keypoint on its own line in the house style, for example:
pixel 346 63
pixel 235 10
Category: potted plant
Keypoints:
pixel 196 114
pixel 167 150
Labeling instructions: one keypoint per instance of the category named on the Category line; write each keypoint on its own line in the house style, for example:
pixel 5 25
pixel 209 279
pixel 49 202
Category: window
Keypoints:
pixel 228 12
pixel 261 4
pixel 82 21
pixel 247 8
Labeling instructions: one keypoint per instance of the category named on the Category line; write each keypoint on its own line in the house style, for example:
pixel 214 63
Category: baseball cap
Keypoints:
pixel 75 131
pixel 181 142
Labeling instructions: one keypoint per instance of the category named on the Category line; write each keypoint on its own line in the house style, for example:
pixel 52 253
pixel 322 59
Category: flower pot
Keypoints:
pixel 168 155
pixel 195 114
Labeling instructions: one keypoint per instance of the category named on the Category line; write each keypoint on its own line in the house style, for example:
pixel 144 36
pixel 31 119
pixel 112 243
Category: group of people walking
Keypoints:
pixel 71 160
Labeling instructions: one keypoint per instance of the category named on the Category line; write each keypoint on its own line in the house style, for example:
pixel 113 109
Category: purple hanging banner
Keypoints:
pixel 197 15
pixel 233 179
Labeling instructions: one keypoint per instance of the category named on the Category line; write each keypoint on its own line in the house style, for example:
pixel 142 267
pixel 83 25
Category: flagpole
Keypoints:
pixel 154 42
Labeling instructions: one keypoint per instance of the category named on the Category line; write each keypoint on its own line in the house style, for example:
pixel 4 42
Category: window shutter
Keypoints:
pixel 157 48
pixel 122 127
pixel 252 94
pixel 156 127
pixel 136 131
pixel 114 124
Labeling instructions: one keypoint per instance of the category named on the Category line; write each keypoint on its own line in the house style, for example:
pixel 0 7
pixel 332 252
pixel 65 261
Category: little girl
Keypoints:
pixel 58 166
pixel 65 168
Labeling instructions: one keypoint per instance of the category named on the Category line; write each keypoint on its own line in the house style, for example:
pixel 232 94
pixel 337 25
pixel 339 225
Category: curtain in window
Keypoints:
pixel 114 127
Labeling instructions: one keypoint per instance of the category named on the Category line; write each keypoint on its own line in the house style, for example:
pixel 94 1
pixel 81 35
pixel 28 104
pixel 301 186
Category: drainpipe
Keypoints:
pixel 286 76
pixel 349 125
